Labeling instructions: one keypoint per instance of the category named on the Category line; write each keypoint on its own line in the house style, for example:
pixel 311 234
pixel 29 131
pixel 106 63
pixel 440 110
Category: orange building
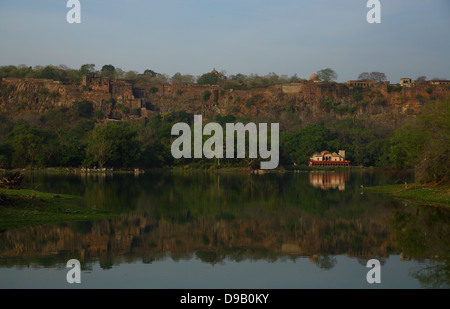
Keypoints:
pixel 326 158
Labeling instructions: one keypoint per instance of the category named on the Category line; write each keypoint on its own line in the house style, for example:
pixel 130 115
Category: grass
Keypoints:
pixel 28 207
pixel 433 195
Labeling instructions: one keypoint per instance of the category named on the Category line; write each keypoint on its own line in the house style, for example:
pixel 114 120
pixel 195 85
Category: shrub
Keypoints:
pixel 365 102
pixel 136 112
pixel 83 108
pixel 351 109
pixel 123 108
pixel 179 92
pixel 249 102
pixel 99 114
pixel 358 96
pixel 429 90
pixel 392 88
pixel 328 103
pixel 206 95
pixel 154 89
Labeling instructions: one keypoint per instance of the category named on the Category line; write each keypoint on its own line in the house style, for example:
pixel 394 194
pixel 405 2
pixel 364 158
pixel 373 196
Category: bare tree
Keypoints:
pixel 374 76
pixel 421 79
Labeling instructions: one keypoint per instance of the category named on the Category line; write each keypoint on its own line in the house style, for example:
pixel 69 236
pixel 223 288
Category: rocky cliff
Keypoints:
pixel 305 102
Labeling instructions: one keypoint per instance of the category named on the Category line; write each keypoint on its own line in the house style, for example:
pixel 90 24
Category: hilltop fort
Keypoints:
pixel 308 101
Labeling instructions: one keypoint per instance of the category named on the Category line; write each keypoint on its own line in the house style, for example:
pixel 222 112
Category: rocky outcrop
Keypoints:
pixel 305 102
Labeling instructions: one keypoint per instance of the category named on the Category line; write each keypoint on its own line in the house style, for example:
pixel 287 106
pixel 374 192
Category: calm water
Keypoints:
pixel 199 230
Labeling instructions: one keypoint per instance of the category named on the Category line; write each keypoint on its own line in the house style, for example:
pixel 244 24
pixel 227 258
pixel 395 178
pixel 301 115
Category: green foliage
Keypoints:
pixel 429 90
pixel 391 88
pixel 98 114
pixel 365 102
pixel 156 139
pixel 288 109
pixel 249 102
pixel 113 145
pixel 357 95
pixel 136 112
pixel 6 154
pixel 222 120
pixel 298 146
pixel 154 89
pixel 87 69
pixel 124 109
pixel 150 73
pixel 206 95
pixel 327 75
pixel 424 143
pixel 83 108
pixel 50 72
pixel 109 71
pixel 27 143
pixel 179 92
pixel 328 103
pixel 208 79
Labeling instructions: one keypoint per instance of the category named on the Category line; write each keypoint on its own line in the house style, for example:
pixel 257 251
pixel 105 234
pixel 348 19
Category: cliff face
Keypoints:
pixel 306 102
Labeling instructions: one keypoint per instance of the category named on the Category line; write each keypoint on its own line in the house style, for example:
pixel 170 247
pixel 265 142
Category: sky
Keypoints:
pixel 236 36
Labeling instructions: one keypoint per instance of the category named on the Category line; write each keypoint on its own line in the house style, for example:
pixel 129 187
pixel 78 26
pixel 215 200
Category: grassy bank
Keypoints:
pixel 434 195
pixel 28 207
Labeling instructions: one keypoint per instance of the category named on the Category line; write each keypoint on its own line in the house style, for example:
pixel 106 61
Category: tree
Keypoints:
pixel 364 76
pixel 99 146
pixel 131 75
pixel 50 72
pixel 178 78
pixel 150 73
pixel 298 146
pixel 373 76
pixel 208 79
pixel 424 144
pixel 109 71
pixel 327 75
pixel 87 69
pixel 421 80
pixel 83 108
pixel 206 95
pixel 113 144
pixel 26 143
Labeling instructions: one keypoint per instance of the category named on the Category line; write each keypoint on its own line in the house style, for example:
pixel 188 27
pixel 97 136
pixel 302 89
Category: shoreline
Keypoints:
pixel 25 207
pixel 426 194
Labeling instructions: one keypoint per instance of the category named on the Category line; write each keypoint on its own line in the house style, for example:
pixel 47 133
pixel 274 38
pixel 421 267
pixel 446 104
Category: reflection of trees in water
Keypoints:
pixel 435 275
pixel 422 233
pixel 363 261
pixel 326 262
pixel 236 216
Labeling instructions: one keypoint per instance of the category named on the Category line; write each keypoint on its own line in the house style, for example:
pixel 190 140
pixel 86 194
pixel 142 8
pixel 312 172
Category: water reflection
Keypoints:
pixel 328 180
pixel 233 217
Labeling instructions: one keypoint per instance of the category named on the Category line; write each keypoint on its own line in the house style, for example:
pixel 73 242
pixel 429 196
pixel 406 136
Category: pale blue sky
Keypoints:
pixel 238 36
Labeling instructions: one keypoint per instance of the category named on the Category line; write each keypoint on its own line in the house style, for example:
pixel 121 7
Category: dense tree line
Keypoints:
pixel 67 75
pixel 75 137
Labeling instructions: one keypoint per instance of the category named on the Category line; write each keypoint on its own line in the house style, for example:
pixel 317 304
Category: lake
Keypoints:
pixel 232 230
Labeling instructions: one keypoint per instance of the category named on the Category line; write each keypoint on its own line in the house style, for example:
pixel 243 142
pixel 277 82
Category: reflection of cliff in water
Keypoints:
pixel 249 235
pixel 211 217
pixel 327 181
